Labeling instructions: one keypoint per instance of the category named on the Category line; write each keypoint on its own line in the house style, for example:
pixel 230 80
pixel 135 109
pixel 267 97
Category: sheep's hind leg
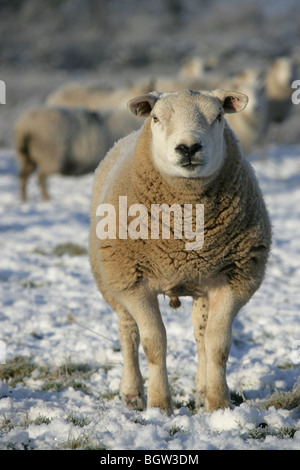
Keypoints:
pixel 199 320
pixel 144 308
pixel 26 170
pixel 131 389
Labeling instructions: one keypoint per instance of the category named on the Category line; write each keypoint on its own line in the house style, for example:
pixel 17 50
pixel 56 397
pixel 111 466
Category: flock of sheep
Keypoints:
pixel 183 152
pixel 71 133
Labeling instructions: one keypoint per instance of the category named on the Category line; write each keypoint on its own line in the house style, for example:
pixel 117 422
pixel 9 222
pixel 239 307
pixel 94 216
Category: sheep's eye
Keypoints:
pixel 219 117
pixel 155 118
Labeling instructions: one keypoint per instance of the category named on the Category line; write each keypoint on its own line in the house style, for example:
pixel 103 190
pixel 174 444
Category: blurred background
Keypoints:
pixel 46 44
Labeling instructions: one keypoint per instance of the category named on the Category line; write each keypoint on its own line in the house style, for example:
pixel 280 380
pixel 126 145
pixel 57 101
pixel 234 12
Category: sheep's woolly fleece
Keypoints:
pixel 40 289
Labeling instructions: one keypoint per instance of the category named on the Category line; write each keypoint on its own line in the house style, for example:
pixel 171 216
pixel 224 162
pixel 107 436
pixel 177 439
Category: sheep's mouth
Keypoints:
pixel 192 165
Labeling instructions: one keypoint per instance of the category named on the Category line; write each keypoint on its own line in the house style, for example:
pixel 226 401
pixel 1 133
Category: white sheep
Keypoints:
pixel 91 96
pixel 279 77
pixel 251 125
pixel 58 140
pixel 195 66
pixel 95 96
pixel 109 102
pixel 184 158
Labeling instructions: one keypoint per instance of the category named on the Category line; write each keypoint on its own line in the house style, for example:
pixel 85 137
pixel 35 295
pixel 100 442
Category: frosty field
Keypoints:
pixel 63 363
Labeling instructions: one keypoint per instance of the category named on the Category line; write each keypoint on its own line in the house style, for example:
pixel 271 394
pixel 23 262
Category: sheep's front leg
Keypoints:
pixel 218 336
pixel 144 308
pixel 199 320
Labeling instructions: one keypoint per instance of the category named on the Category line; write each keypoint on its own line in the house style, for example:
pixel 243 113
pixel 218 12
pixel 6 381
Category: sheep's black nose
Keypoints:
pixel 186 151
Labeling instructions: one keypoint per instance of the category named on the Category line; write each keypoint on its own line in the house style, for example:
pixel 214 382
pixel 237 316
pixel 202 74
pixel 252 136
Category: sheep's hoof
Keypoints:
pixel 199 399
pixel 134 402
pixel 164 406
pixel 219 403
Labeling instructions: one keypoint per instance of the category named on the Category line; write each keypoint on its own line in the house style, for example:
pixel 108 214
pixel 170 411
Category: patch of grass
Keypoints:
pixel 174 430
pixel 82 442
pixel 286 432
pixel 6 424
pixel 288 400
pixel 106 367
pixel 39 251
pixel 190 404
pixel 261 432
pixel 74 443
pixel 59 385
pixel 139 420
pixel 36 335
pixel 67 375
pixel 286 366
pixel 16 370
pixel 91 445
pixel 25 422
pixel 41 419
pixel 34 285
pixel 180 399
pixel 109 395
pixel 81 422
pixel 70 249
pixel 61 249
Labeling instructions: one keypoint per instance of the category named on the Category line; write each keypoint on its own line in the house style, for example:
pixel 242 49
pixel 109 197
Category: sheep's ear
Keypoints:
pixel 142 105
pixel 231 101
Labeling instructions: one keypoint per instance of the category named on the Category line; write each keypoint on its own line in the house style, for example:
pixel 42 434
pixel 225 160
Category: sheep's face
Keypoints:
pixel 187 129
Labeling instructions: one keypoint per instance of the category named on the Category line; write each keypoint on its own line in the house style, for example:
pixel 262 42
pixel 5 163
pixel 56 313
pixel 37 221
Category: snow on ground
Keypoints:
pixel 40 289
